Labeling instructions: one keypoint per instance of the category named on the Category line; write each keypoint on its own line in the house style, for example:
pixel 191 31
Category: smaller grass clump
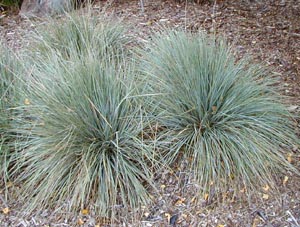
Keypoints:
pixel 84 123
pixel 82 34
pixel 222 115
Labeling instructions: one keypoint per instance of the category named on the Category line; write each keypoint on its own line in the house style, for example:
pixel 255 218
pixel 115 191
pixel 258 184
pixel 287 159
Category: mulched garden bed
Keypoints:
pixel 268 30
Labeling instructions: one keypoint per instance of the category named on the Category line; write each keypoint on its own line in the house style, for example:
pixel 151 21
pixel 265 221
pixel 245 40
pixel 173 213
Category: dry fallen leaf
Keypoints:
pixel 97 225
pixel 289 158
pixel 285 180
pixel 9 184
pixel 220 225
pixel 180 202
pixel 265 196
pixel 193 199
pixel 206 196
pixel 168 216
pixel 80 221
pixel 255 222
pixel 85 211
pixel 266 188
pixel 26 102
pixel 184 216
pixel 5 210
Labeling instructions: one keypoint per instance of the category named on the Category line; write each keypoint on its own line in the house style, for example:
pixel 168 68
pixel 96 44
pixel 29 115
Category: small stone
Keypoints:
pixel 38 8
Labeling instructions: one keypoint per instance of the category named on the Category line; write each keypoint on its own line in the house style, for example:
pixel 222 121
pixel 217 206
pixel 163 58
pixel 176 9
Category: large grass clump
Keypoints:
pixel 223 115
pixel 84 125
pixel 10 69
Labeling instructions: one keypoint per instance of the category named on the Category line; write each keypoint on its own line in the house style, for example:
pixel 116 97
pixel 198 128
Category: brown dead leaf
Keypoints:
pixel 9 184
pixel 180 202
pixel 184 216
pixel 289 158
pixel 206 196
pixel 80 221
pixel 265 196
pixel 285 180
pixel 193 199
pixel 266 188
pixel 163 186
pixel 5 210
pixel 168 216
pixel 255 222
pixel 85 211
pixel 26 102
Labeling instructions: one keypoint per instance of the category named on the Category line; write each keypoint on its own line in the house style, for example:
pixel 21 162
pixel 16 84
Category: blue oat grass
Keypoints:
pixel 84 125
pixel 11 70
pixel 81 35
pixel 222 115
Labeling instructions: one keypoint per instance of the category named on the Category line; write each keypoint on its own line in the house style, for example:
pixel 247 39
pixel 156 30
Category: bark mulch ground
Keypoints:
pixel 268 30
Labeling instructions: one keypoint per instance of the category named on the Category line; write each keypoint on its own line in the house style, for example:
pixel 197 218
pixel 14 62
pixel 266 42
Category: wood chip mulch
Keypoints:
pixel 268 30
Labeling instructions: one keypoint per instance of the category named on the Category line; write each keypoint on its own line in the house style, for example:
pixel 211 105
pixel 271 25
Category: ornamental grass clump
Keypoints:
pixel 10 68
pixel 81 34
pixel 222 115
pixel 84 123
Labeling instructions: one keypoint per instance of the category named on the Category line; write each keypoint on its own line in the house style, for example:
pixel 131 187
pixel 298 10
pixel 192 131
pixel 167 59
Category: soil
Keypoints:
pixel 268 30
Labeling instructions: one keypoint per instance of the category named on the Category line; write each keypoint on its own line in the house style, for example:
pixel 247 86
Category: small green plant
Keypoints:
pixel 84 125
pixel 222 115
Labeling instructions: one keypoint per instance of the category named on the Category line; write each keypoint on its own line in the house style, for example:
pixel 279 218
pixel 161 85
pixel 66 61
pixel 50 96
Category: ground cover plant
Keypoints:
pixel 84 126
pixel 222 115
